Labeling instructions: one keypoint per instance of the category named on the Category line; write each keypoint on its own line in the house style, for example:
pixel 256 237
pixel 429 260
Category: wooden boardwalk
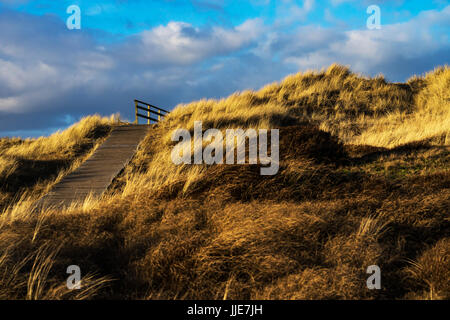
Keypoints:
pixel 96 174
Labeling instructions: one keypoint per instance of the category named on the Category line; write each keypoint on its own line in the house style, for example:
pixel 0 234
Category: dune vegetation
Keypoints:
pixel 30 167
pixel 364 180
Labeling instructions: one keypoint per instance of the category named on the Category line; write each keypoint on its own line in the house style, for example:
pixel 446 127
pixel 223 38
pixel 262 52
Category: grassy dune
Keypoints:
pixel 29 167
pixel 364 179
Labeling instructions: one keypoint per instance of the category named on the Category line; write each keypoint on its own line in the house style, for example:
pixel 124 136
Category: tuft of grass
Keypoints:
pixel 431 271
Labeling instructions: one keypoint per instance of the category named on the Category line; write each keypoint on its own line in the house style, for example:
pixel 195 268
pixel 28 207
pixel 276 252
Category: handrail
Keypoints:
pixel 141 105
pixel 148 104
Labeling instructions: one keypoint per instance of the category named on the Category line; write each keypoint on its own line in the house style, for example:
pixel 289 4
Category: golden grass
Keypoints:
pixel 371 189
pixel 37 284
pixel 358 110
pixel 61 143
pixel 30 167
pixel 430 118
pixel 432 271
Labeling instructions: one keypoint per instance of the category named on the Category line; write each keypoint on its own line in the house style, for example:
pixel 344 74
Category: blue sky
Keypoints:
pixel 131 17
pixel 172 51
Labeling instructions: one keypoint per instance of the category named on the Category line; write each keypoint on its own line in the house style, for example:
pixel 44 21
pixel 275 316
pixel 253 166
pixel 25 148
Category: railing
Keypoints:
pixel 151 110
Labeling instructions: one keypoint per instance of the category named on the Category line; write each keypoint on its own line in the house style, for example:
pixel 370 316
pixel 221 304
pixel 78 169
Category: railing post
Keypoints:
pixel 139 105
pixel 136 111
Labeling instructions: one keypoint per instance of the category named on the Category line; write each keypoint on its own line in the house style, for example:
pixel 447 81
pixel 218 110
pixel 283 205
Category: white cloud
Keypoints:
pixel 289 12
pixel 182 43
pixel 369 50
pixel 50 64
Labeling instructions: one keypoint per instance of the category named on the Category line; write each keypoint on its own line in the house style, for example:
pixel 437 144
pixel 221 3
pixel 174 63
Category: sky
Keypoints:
pixel 168 52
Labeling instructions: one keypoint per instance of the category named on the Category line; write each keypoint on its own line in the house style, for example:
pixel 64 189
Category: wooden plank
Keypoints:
pixel 149 118
pixel 151 111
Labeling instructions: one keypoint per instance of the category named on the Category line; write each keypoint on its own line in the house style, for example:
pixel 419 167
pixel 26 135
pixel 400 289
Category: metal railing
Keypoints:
pixel 151 110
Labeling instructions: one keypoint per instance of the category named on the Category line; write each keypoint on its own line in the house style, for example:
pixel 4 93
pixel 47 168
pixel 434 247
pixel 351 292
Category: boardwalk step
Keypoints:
pixel 96 174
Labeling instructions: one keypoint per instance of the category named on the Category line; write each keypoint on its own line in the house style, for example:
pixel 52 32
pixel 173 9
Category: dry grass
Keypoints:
pixel 431 270
pixel 358 110
pixel 430 119
pixel 364 179
pixel 29 167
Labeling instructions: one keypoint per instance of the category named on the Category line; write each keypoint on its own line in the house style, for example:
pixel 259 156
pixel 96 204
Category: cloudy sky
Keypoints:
pixel 171 51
